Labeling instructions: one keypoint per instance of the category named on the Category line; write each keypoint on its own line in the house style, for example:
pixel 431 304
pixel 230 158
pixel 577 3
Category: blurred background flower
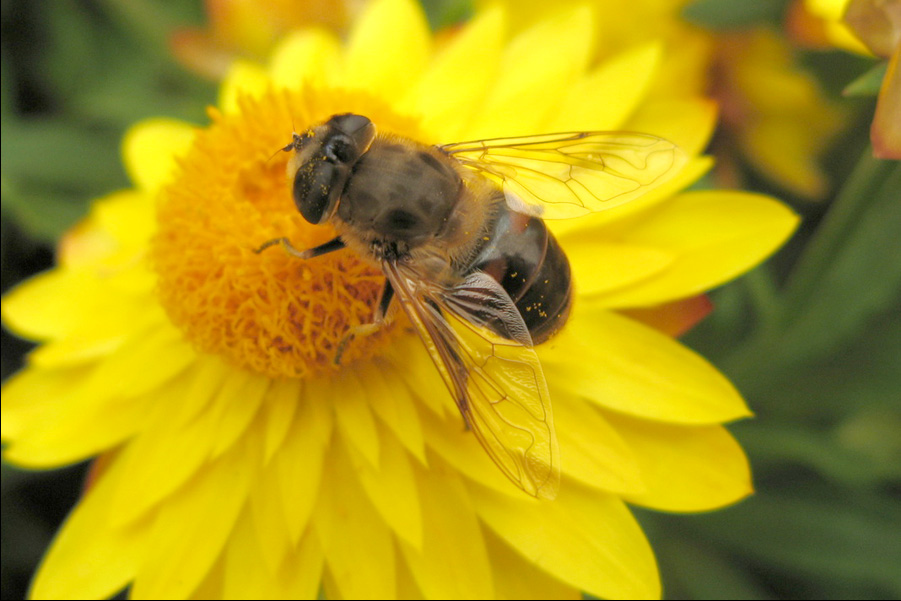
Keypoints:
pixel 812 339
pixel 870 28
pixel 248 29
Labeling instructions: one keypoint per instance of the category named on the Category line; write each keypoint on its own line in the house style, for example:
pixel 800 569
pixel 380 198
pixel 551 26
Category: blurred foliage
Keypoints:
pixel 812 338
pixel 75 76
pixel 869 83
pixel 718 15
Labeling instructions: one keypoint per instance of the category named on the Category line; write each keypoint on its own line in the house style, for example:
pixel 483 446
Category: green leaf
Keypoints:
pixel 693 570
pixel 57 153
pixel 444 13
pixel 836 454
pixel 850 270
pixel 729 14
pixel 873 433
pixel 830 538
pixel 869 83
pixel 7 91
pixel 43 215
pixel 71 59
pixel 864 374
pixel 129 95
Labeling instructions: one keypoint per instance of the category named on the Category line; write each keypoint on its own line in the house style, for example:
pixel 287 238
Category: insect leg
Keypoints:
pixel 379 319
pixel 384 302
pixel 325 248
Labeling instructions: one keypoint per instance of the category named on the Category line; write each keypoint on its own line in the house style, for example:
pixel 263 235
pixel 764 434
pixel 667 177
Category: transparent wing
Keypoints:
pixel 558 176
pixel 496 380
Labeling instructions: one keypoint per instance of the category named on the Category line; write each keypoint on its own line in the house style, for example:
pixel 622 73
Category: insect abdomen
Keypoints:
pixel 524 257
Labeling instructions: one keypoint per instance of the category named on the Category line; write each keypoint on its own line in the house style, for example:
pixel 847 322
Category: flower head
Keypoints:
pixel 237 459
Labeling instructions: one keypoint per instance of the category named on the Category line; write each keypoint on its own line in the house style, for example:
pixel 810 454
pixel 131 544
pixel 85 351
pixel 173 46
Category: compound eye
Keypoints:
pixel 340 149
pixel 317 186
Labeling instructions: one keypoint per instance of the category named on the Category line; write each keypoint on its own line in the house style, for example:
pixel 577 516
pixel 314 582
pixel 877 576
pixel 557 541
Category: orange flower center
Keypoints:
pixel 270 312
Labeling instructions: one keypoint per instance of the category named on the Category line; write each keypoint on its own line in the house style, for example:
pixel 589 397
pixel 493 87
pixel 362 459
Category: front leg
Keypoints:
pixel 378 320
pixel 331 246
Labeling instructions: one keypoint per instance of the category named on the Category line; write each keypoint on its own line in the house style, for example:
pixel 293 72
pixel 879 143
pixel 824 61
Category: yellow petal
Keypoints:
pixel 782 148
pixel 608 95
pixel 362 565
pixel 114 235
pixel 281 402
pixel 193 525
pixel 51 419
pixel 301 572
pixel 587 227
pixel 173 446
pixel 208 374
pixel 715 235
pixel 89 558
pixel 452 88
pixel 394 406
pixel 84 317
pixel 243 79
pixel 421 376
pixel 688 122
pixel 246 576
pixel 244 569
pixel 587 539
pixel 236 405
pixel 136 368
pixel 537 68
pixel 268 517
pixel 453 562
pixel 591 451
pixel 52 305
pixel 406 584
pixel 307 57
pixel 31 394
pixel 150 149
pixel 354 416
pixel 164 456
pixel 211 586
pixel 685 69
pixel 516 578
pixel 600 266
pixel 392 488
pixel 454 444
pixel 623 365
pixel 388 48
pixel 695 468
pixel 299 462
pixel 75 350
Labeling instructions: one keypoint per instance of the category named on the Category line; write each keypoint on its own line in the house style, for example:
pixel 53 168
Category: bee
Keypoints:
pixel 458 231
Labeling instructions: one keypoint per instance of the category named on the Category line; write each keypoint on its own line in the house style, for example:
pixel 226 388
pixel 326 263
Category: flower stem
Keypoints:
pixel 764 297
pixel 850 204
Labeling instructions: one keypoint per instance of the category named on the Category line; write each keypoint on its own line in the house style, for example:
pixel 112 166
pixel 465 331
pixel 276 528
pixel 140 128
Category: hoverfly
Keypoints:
pixel 457 230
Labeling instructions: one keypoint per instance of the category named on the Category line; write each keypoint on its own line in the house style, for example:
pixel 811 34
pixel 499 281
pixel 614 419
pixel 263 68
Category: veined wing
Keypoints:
pixel 563 175
pixel 496 381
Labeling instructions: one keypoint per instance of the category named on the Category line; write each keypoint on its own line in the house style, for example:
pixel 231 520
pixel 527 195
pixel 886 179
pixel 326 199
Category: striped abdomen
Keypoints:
pixel 524 257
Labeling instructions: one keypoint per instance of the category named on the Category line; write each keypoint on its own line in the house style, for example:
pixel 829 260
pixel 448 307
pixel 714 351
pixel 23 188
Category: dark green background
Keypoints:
pixel 812 338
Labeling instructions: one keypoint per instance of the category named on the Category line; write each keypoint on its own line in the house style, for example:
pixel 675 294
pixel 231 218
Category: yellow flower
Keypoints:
pixel 773 110
pixel 249 29
pixel 819 23
pixel 238 461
